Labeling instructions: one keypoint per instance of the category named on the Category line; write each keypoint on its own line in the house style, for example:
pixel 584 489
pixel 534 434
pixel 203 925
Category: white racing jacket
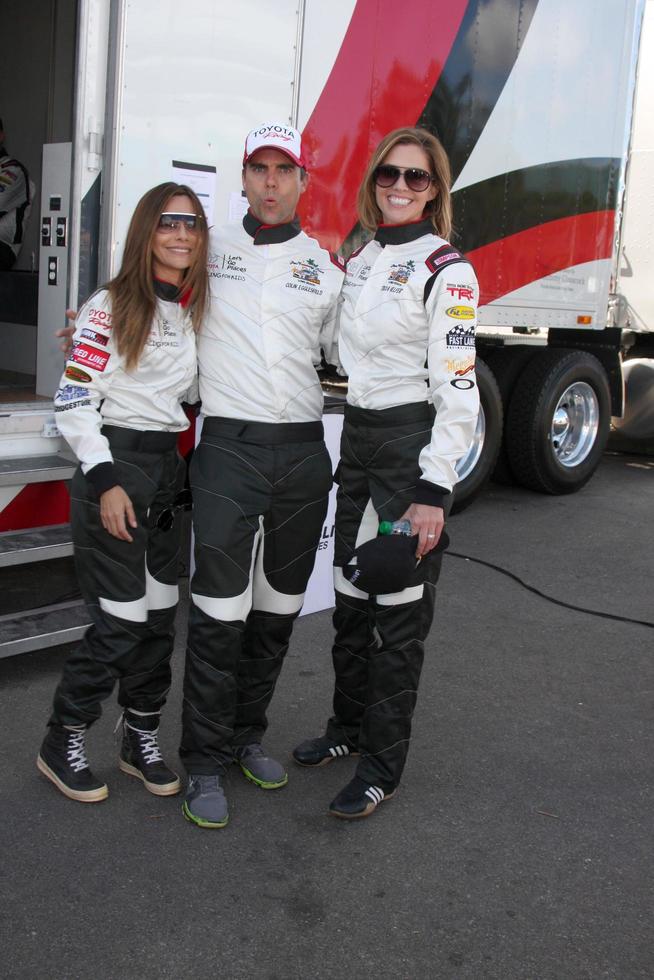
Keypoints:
pixel 274 300
pixel 95 389
pixel 407 334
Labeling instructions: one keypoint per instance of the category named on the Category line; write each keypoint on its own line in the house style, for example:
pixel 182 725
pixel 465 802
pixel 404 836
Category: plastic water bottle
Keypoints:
pixel 395 527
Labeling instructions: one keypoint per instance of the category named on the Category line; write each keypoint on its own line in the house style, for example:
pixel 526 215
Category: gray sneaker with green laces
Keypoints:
pixel 205 803
pixel 259 768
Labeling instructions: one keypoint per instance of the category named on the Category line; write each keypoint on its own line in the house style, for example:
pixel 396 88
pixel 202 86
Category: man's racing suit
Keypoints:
pixel 261 476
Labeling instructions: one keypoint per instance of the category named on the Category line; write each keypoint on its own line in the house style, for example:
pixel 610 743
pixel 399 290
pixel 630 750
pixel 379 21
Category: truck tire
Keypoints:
pixel 558 421
pixel 507 364
pixel 477 465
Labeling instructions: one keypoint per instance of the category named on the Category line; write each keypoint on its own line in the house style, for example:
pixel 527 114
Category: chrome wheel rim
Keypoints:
pixel 575 423
pixel 466 465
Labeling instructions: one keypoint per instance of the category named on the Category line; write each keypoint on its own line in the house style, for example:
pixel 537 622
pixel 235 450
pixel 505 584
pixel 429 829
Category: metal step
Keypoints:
pixel 37 629
pixel 35 469
pixel 35 544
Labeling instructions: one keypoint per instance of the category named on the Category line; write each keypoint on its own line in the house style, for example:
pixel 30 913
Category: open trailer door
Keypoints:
pixel 71 194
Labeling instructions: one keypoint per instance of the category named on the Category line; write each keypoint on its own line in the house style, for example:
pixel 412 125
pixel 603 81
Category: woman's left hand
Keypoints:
pixel 427 522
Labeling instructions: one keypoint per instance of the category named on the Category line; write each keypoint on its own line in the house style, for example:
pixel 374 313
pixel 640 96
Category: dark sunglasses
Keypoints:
pixel 166 519
pixel 170 221
pixel 416 180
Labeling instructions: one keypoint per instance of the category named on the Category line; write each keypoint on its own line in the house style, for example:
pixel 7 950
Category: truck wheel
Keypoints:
pixel 477 465
pixel 558 421
pixel 507 364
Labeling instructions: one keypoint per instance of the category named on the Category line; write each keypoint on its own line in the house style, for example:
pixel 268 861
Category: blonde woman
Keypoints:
pixel 407 344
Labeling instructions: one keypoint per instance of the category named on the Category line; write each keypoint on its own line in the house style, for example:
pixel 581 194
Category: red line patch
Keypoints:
pixel 90 357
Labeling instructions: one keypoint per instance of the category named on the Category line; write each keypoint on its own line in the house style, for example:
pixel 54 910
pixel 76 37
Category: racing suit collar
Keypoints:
pixel 401 234
pixel 270 234
pixel 167 291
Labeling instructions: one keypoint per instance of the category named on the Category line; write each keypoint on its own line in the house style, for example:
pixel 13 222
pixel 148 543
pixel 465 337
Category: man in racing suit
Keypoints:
pixel 261 474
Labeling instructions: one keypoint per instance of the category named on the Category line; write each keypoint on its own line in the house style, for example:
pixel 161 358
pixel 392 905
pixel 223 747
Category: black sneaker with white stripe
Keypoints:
pixel 358 799
pixel 319 751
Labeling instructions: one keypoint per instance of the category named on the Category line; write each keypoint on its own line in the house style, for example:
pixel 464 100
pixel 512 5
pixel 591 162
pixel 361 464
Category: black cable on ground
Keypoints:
pixel 549 598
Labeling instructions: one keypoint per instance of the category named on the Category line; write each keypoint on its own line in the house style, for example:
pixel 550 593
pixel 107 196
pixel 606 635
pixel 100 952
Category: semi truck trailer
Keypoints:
pixel 544 107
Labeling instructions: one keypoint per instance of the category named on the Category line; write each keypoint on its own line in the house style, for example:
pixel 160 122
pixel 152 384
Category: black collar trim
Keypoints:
pixel 166 290
pixel 401 234
pixel 270 234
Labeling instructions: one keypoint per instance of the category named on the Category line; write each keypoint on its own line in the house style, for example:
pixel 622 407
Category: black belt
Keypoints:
pixel 263 433
pixel 139 440
pixel 397 415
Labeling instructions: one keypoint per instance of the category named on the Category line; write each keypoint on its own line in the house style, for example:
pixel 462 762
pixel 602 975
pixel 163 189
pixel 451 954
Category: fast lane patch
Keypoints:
pixel 461 336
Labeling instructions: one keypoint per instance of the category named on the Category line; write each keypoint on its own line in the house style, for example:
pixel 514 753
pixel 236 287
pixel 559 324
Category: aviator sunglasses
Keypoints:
pixel 171 221
pixel 416 180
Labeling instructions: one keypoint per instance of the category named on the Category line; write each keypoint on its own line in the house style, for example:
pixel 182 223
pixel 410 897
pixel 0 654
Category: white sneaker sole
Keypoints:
pixel 157 789
pixel 82 796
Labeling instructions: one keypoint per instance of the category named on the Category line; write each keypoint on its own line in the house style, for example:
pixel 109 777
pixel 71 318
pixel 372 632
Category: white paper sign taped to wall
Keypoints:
pixel 201 178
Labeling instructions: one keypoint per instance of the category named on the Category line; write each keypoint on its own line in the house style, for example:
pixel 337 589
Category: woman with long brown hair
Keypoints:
pixel 407 345
pixel 119 406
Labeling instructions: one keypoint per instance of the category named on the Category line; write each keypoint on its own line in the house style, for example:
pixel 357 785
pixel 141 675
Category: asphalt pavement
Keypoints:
pixel 520 842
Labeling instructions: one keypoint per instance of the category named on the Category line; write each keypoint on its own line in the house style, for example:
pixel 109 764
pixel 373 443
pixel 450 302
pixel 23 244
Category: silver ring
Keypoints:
pixel 431 535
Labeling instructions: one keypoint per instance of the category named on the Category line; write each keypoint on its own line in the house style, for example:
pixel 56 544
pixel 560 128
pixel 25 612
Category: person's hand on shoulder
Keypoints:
pixel 116 513
pixel 66 333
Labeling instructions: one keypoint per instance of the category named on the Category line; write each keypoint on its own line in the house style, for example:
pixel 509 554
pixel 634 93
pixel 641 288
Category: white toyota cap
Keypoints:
pixel 275 136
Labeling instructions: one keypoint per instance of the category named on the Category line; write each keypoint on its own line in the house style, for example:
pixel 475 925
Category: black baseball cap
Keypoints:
pixel 387 563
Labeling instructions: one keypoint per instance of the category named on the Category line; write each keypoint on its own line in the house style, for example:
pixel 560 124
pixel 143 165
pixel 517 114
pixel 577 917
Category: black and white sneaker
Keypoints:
pixel 319 751
pixel 140 754
pixel 62 760
pixel 358 799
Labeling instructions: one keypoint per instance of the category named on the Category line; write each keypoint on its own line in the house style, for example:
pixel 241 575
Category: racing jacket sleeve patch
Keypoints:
pixel 443 257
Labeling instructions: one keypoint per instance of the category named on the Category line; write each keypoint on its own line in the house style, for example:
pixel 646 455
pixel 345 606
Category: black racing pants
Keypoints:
pixel 379 643
pixel 259 504
pixel 130 589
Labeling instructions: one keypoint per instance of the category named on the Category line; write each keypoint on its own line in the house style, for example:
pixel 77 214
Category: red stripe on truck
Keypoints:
pixel 37 505
pixel 407 45
pixel 527 256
